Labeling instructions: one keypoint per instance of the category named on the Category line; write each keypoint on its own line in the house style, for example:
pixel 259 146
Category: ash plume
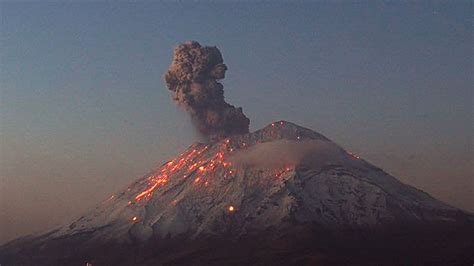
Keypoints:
pixel 193 80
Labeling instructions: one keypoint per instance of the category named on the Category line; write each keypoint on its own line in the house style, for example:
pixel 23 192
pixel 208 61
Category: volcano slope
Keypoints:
pixel 283 195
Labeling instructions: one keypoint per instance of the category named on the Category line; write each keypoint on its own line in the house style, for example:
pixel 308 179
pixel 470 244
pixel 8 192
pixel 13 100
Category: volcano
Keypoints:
pixel 283 195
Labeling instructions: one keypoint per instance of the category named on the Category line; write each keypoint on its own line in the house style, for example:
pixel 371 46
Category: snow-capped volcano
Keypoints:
pixel 274 177
pixel 272 180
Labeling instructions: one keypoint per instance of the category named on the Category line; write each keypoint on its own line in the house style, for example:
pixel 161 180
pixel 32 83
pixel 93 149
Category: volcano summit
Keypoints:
pixel 299 194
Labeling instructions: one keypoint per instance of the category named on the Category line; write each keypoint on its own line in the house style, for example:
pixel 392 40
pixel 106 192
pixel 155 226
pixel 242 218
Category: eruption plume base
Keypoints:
pixel 193 80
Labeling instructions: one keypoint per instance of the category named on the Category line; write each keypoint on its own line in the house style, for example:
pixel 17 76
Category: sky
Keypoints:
pixel 84 110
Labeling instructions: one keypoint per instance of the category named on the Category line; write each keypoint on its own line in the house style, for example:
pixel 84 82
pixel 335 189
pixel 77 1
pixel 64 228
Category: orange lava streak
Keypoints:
pixel 188 162
pixel 147 192
pixel 283 171
pixel 169 168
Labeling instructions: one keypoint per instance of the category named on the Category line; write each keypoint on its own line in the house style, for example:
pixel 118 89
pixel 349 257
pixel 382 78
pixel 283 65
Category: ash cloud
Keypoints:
pixel 193 80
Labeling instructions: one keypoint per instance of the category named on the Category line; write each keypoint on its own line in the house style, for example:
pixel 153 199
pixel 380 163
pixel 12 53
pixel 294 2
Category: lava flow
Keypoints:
pixel 198 165
pixel 187 164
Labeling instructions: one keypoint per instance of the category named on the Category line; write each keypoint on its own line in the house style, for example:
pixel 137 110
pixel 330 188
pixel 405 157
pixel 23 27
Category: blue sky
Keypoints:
pixel 84 110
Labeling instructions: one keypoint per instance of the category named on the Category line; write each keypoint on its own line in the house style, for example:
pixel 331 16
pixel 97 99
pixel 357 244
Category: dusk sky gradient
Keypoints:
pixel 84 110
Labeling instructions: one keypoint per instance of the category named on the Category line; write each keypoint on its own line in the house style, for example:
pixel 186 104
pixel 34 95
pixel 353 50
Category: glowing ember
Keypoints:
pixel 135 218
pixel 353 155
pixel 201 168
pixel 231 209
pixel 197 179
pixel 285 170
pixel 192 167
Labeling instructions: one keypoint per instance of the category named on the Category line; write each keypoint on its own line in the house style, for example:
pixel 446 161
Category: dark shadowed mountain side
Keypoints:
pixel 283 195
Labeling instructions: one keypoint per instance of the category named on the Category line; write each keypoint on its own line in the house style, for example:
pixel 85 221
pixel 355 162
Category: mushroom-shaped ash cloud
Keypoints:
pixel 193 80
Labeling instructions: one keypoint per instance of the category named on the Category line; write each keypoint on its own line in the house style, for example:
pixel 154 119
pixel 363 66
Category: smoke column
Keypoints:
pixel 193 80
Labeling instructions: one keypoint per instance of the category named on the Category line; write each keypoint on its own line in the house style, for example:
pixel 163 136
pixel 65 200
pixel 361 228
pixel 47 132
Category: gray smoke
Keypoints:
pixel 193 80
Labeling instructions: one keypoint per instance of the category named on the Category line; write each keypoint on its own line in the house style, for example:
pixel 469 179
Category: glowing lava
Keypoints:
pixel 198 166
pixel 186 165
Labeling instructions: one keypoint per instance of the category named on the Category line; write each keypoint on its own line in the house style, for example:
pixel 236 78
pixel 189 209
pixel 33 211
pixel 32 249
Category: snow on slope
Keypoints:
pixel 276 177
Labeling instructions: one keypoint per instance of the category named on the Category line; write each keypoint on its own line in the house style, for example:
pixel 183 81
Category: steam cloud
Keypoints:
pixel 281 153
pixel 193 79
